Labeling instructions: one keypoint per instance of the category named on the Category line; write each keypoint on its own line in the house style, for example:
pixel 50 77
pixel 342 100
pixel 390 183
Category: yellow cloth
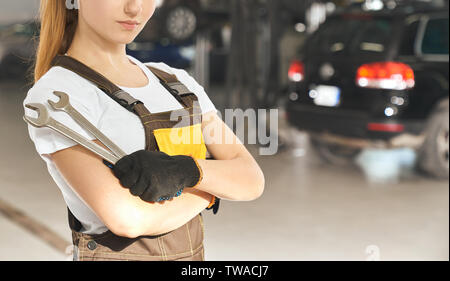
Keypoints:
pixel 182 141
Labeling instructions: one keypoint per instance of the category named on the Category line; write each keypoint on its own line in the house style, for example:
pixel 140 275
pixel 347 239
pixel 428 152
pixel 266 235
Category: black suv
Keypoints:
pixel 376 79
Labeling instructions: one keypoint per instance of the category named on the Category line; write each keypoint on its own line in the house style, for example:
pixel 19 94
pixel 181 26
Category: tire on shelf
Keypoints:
pixel 434 153
pixel 181 21
pixel 333 154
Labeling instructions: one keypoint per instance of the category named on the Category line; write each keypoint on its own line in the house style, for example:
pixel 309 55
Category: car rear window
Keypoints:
pixel 435 39
pixel 352 35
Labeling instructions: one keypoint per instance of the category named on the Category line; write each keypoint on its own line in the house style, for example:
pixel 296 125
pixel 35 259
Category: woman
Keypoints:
pixel 115 220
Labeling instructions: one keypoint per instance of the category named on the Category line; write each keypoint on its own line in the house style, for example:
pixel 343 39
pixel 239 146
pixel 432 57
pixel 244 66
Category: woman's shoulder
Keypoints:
pixel 59 79
pixel 58 76
pixel 179 72
pixel 190 82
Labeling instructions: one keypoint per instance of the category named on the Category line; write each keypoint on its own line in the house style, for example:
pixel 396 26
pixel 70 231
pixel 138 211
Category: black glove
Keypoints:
pixel 156 176
pixel 215 206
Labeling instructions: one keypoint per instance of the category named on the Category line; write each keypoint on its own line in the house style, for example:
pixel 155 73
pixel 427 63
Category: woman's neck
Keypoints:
pixel 96 52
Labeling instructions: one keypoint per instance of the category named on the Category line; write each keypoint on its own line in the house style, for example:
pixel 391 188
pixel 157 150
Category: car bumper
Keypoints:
pixel 354 127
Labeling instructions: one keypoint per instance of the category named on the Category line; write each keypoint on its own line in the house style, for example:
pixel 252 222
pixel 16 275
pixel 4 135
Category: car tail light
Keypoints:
pixel 296 71
pixel 385 75
pixel 382 127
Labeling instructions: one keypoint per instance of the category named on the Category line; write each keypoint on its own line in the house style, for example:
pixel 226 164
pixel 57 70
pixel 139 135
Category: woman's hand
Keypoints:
pixel 155 176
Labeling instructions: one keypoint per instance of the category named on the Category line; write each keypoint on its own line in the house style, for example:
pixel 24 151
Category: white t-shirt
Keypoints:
pixel 123 127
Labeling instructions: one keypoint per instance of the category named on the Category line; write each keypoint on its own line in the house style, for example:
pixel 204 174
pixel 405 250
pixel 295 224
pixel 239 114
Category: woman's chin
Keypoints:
pixel 125 39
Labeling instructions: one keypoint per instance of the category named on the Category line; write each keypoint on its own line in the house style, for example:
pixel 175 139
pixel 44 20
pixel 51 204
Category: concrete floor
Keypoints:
pixel 309 210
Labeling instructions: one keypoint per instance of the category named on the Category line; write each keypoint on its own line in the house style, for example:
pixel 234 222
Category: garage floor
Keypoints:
pixel 309 210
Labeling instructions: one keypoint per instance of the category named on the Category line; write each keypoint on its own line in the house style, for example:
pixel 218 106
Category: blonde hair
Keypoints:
pixel 57 28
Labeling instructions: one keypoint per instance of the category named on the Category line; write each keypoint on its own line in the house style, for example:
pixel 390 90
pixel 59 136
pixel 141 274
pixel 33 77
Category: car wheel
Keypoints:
pixel 181 23
pixel 434 153
pixel 333 153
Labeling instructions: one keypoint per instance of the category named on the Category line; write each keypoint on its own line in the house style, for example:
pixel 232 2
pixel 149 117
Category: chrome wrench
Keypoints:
pixel 64 105
pixel 44 120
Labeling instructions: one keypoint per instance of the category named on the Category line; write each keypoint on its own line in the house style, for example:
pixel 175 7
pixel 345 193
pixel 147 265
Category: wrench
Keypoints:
pixel 44 120
pixel 64 105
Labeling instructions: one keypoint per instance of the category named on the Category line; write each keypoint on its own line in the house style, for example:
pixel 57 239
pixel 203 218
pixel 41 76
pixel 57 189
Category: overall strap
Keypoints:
pixel 174 86
pixel 113 91
pixel 169 81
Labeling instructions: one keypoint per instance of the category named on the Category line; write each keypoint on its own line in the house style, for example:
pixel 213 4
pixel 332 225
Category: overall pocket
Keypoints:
pixel 182 141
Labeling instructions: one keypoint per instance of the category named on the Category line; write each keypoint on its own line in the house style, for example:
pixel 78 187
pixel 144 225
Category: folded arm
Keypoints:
pixel 235 175
pixel 124 214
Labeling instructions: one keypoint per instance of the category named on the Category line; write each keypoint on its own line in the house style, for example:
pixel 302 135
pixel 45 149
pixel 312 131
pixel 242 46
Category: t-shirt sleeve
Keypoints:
pixel 47 140
pixel 184 77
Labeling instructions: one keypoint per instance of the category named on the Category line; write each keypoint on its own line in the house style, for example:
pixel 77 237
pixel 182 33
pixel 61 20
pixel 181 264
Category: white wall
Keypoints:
pixel 18 10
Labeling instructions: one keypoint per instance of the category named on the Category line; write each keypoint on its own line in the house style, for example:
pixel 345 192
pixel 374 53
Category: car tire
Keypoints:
pixel 180 22
pixel 333 154
pixel 434 153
